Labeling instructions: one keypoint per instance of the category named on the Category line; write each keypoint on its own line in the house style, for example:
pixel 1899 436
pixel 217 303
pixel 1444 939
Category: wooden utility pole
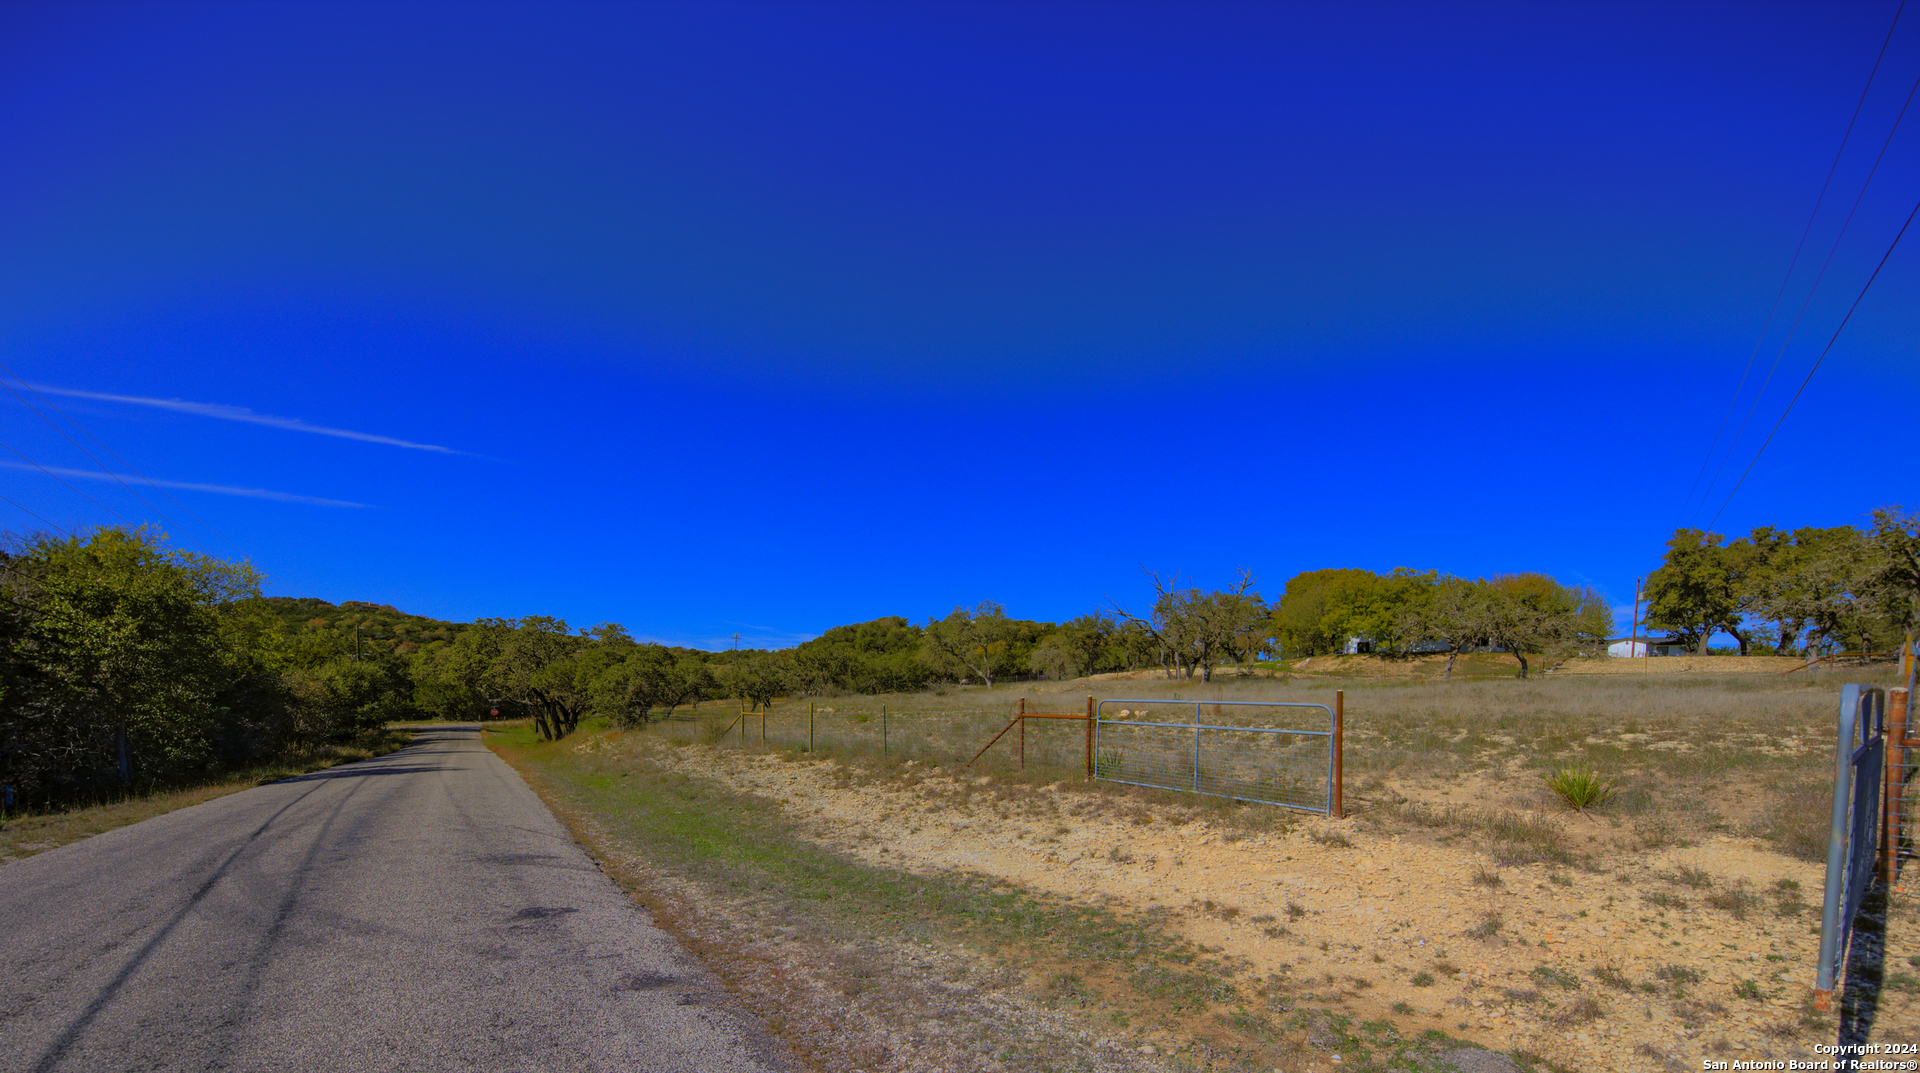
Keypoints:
pixel 1633 631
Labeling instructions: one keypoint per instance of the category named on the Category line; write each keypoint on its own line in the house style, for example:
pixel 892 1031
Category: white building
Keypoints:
pixel 1629 647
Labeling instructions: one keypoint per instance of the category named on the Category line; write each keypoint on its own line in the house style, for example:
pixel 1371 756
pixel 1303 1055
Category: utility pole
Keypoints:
pixel 1634 632
pixel 736 642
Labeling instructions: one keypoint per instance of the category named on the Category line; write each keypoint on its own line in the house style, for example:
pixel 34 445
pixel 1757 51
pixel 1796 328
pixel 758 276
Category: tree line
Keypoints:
pixel 126 664
pixel 1788 591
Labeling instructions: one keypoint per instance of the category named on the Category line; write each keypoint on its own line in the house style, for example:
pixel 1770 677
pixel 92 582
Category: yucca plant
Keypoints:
pixel 1579 786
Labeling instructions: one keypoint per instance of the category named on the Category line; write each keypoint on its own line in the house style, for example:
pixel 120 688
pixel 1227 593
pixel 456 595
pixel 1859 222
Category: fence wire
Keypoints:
pixel 1278 754
pixel 1274 753
pixel 942 735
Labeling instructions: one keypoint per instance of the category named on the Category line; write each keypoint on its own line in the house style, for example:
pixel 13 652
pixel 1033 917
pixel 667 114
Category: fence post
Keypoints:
pixel 1196 748
pixel 1023 733
pixel 809 727
pixel 1089 738
pixel 1339 754
pixel 743 728
pixel 1892 789
pixel 883 732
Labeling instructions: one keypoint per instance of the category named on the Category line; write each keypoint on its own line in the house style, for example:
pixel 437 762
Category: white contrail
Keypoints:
pixel 217 489
pixel 241 413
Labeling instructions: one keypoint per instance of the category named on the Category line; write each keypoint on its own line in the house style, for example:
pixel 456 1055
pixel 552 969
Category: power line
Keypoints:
pixel 1821 358
pixel 1775 367
pixel 131 466
pixel 1792 264
pixel 76 491
pixel 43 521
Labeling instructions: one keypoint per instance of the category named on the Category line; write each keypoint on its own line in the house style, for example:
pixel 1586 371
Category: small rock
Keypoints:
pixel 1149 1049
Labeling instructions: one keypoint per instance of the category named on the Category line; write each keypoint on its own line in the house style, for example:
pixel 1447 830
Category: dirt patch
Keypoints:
pixel 1661 955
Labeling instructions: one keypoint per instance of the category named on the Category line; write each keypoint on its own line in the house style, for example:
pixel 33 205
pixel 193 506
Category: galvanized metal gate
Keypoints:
pixel 1853 838
pixel 1246 750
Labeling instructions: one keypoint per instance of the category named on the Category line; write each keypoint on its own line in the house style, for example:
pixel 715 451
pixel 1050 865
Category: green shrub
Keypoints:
pixel 1579 785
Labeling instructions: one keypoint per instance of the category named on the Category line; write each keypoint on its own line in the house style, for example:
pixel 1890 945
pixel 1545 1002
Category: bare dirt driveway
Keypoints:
pixel 420 911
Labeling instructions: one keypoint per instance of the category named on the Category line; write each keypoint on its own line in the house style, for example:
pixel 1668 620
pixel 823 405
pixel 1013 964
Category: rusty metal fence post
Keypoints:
pixel 809 726
pixel 1897 831
pixel 1023 733
pixel 1089 739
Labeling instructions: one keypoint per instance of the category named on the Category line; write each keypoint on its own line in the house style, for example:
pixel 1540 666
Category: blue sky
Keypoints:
pixel 763 318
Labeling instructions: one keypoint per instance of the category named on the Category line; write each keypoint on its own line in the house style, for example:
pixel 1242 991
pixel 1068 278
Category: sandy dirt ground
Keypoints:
pixel 1582 968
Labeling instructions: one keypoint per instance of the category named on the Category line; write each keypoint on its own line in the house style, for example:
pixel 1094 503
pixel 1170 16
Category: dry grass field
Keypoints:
pixel 1461 904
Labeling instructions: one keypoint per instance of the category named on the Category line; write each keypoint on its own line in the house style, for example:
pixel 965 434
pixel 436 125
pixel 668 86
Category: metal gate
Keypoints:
pixel 1246 750
pixel 1853 837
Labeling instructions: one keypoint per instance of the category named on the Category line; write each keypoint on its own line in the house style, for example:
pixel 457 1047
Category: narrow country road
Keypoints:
pixel 420 911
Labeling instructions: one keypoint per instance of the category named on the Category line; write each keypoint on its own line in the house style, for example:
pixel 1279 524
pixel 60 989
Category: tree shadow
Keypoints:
pixel 363 769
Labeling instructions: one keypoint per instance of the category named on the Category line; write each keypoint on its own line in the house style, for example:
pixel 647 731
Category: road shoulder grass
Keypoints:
pixel 865 967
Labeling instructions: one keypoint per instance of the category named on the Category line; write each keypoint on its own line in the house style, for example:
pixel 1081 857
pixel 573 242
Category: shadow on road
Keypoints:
pixel 365 768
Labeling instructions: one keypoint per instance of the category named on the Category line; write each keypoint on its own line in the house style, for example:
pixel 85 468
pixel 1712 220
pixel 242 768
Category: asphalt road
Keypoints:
pixel 420 911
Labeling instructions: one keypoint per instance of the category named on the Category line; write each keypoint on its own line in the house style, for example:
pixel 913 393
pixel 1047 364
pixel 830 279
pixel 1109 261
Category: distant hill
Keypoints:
pixel 381 626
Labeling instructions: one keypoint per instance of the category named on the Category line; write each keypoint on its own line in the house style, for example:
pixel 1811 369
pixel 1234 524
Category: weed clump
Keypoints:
pixel 1578 1012
pixel 1613 977
pixel 1329 837
pixel 1677 976
pixel 1695 877
pixel 1547 974
pixel 1737 900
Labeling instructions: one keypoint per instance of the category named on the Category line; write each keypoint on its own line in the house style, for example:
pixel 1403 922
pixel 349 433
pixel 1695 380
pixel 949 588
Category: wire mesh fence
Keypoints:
pixel 906 732
pixel 1285 754
pixel 1900 842
pixel 1276 753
